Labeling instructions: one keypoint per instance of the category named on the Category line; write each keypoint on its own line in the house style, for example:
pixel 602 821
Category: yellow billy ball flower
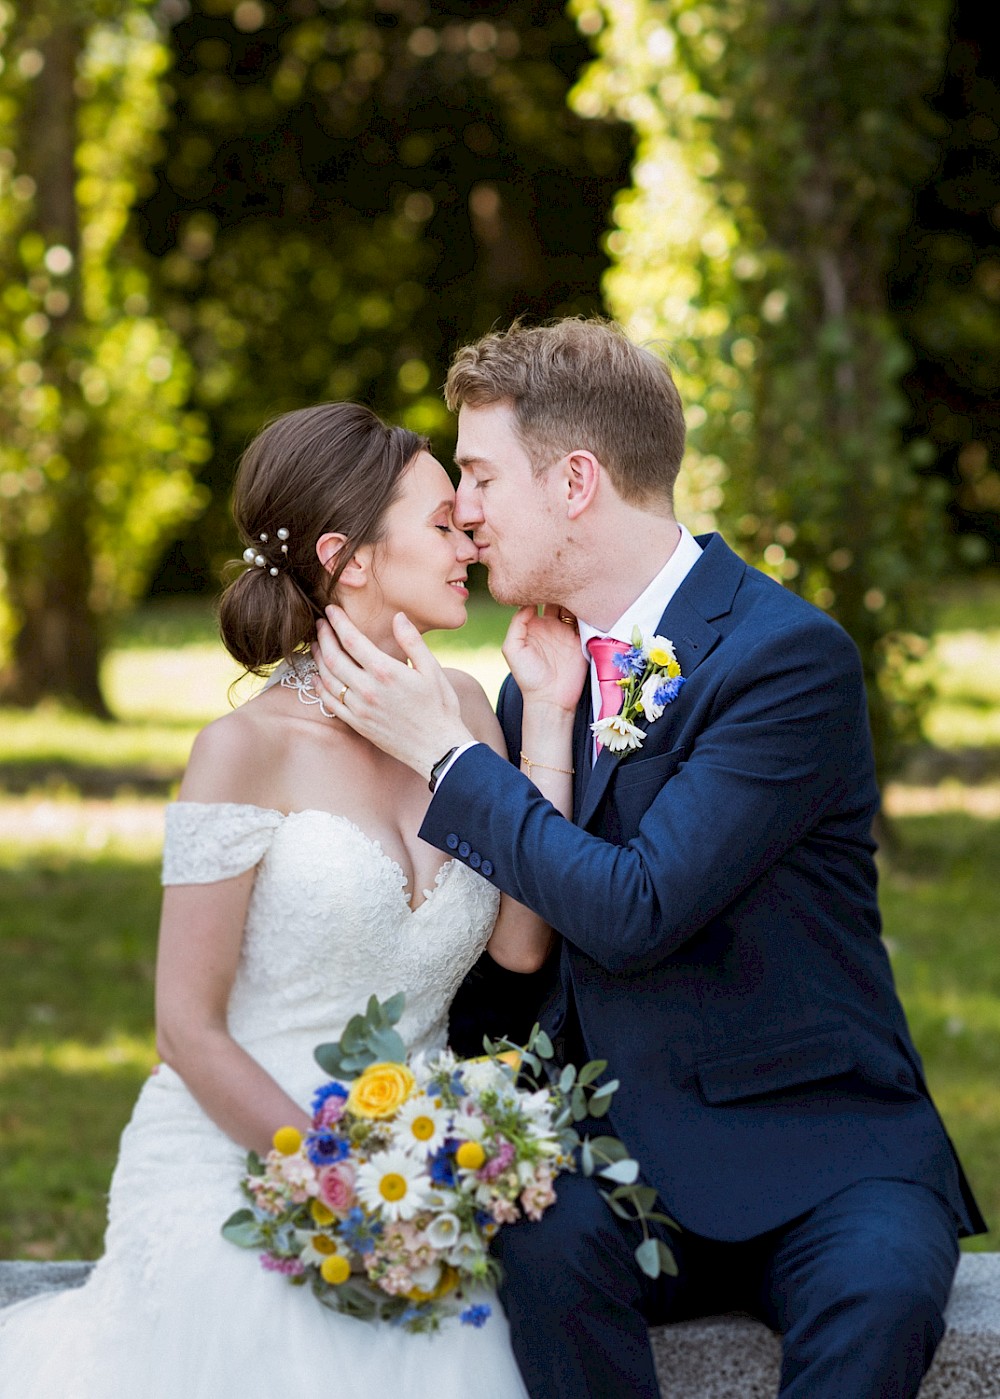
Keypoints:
pixel 335 1269
pixel 287 1140
pixel 470 1156
pixel 673 670
pixel 321 1213
pixel 381 1090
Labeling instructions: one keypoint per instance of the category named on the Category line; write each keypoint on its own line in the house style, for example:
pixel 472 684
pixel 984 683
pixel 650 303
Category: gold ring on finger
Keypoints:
pixel 340 697
pixel 567 617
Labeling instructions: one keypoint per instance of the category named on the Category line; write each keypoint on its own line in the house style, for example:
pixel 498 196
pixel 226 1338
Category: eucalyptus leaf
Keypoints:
pixel 255 1166
pixel 393 1007
pixel 591 1071
pixel 578 1104
pixel 610 1148
pixel 543 1046
pixel 243 1230
pixel 567 1078
pixel 642 1196
pixel 599 1106
pixel 615 1205
pixel 625 1172
pixel 668 1263
pixel 586 1158
pixel 606 1090
pixel 387 1046
pixel 647 1255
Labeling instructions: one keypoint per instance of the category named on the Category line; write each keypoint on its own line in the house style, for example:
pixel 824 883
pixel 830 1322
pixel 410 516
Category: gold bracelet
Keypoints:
pixel 530 763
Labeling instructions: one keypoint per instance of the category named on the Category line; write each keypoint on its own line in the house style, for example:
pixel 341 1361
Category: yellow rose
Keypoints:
pixel 287 1140
pixel 470 1156
pixel 335 1269
pixel 381 1090
pixel 321 1213
pixel 447 1283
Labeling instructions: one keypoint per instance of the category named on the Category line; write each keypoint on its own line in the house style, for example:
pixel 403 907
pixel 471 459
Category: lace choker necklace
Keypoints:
pixel 301 677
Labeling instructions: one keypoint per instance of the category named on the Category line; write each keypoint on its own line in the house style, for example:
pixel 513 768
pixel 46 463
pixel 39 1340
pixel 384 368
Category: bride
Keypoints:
pixel 295 888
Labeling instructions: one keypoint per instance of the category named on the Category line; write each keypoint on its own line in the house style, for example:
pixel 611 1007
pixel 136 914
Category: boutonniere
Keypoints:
pixel 651 679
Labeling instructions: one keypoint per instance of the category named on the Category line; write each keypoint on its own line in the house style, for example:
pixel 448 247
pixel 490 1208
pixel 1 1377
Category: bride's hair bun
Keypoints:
pixel 335 468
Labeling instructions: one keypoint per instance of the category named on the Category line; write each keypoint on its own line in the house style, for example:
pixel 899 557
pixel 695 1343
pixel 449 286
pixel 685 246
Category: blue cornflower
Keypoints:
pixel 358 1231
pixel 328 1090
pixel 669 690
pixel 630 662
pixel 475 1315
pixel 325 1148
pixel 457 1086
pixel 483 1217
pixel 442 1163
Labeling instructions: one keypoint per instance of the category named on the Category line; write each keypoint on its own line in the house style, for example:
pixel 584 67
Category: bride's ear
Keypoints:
pixel 356 572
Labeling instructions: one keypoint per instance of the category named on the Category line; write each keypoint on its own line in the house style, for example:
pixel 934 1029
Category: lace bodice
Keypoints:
pixel 329 924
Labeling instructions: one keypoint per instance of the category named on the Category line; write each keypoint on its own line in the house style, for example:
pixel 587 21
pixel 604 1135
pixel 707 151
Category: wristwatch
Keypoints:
pixel 440 766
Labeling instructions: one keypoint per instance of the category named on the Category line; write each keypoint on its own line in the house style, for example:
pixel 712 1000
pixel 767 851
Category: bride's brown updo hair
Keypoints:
pixel 335 468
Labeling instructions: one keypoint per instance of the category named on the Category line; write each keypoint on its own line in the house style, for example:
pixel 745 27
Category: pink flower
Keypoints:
pixel 330 1112
pixel 538 1194
pixel 291 1267
pixel 504 1211
pixel 497 1164
pixel 336 1187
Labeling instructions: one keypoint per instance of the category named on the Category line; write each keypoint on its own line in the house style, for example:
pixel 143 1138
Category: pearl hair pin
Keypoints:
pixel 256 559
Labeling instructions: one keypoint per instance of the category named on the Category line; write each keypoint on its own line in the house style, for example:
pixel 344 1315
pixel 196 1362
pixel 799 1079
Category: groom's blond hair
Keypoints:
pixel 580 384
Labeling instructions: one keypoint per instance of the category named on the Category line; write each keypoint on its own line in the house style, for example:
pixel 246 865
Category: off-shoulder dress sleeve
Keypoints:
pixel 209 841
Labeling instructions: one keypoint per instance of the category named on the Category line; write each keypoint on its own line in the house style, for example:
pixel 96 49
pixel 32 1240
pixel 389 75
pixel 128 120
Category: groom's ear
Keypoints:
pixel 581 476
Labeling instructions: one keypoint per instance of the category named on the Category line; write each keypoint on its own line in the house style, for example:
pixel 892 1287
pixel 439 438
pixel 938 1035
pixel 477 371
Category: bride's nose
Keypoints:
pixel 466 551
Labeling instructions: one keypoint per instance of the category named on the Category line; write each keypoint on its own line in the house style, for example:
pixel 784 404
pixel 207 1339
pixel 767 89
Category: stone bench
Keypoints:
pixel 730 1357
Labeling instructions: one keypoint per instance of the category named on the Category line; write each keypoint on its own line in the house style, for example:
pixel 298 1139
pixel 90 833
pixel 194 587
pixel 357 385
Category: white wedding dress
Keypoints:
pixel 172 1311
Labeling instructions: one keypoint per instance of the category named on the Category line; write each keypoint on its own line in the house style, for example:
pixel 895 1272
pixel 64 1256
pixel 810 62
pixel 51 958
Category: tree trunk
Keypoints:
pixel 57 649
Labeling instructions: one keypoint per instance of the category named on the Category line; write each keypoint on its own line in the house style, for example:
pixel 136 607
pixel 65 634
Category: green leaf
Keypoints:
pixel 567 1078
pixel 599 1106
pixel 586 1158
pixel 393 1007
pixel 610 1148
pixel 543 1046
pixel 243 1230
pixel 643 1197
pixel 386 1046
pixel 255 1166
pixel 606 1090
pixel 617 1207
pixel 668 1263
pixel 625 1172
pixel 591 1071
pixel 647 1255
pixel 578 1104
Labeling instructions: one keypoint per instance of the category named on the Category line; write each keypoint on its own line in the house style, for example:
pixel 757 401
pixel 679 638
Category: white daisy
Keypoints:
pixel 420 1125
pixel 393 1185
pixel 443 1231
pixel 617 734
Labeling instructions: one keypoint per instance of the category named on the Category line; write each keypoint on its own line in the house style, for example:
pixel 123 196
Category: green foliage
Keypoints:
pixel 367 1039
pixel 779 142
pixel 98 447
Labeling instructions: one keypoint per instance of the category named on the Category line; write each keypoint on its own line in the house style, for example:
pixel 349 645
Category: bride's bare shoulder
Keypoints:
pixel 232 757
pixel 477 712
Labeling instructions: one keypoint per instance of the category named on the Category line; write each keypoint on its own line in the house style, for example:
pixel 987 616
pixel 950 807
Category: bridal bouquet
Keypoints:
pixel 386 1206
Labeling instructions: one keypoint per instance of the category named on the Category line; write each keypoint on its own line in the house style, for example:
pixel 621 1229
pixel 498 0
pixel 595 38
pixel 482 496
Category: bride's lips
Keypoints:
pixel 459 586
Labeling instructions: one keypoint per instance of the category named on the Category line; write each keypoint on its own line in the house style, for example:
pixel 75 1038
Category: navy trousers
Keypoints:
pixel 857 1288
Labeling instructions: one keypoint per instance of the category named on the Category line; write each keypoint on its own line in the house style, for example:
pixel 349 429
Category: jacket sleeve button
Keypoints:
pixel 451 841
pixel 475 860
pixel 465 850
pixel 486 868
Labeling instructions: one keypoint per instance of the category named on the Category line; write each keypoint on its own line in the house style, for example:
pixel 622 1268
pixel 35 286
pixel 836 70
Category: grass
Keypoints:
pixel 80 830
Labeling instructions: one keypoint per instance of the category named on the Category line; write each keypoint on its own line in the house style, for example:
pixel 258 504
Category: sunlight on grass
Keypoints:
pixel 73 1057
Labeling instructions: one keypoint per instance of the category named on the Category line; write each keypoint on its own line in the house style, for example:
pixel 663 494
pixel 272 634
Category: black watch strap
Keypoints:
pixel 440 765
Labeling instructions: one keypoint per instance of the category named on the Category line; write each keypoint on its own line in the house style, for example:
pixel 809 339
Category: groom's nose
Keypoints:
pixel 468 512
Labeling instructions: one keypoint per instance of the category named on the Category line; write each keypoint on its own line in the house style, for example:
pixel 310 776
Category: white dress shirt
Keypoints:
pixel 645 612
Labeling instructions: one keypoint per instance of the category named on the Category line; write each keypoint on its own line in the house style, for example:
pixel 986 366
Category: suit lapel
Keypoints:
pixel 707 592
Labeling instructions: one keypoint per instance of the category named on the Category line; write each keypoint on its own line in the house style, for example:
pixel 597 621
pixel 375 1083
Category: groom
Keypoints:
pixel 716 898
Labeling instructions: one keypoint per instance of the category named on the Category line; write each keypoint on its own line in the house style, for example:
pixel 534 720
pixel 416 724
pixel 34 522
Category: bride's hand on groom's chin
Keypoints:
pixel 409 711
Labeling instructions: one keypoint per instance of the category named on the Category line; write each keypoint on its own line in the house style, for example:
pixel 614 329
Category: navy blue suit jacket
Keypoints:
pixel 716 897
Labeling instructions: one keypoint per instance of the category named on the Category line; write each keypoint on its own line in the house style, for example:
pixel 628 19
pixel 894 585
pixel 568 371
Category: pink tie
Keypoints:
pixel 603 649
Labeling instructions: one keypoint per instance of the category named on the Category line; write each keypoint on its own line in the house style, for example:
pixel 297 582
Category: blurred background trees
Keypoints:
pixel 215 210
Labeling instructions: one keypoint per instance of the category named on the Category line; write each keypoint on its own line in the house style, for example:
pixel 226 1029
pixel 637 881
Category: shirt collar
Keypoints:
pixel 647 609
